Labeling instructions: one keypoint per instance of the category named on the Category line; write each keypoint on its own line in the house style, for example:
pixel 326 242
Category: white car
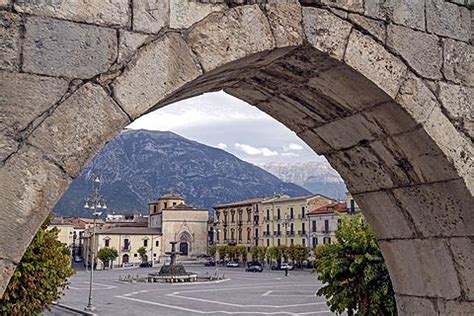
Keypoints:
pixel 232 264
pixel 286 265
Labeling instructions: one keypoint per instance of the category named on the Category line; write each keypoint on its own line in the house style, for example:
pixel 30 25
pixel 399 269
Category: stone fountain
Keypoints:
pixel 173 272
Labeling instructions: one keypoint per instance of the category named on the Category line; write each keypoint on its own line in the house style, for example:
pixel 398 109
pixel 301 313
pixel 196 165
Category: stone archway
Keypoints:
pixel 384 92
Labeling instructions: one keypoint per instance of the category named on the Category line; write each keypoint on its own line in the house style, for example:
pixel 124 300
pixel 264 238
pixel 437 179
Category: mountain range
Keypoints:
pixel 316 177
pixel 139 166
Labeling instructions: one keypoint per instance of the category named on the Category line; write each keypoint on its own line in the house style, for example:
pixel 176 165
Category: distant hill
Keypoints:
pixel 139 166
pixel 316 177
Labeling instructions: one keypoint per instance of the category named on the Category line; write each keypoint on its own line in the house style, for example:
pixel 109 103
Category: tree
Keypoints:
pixel 142 253
pixel 261 252
pixel 354 272
pixel 40 277
pixel 212 250
pixel 241 252
pixel 107 255
pixel 299 253
pixel 274 253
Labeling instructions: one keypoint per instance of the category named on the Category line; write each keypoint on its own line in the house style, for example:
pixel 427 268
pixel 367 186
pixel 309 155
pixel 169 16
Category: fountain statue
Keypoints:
pixel 173 272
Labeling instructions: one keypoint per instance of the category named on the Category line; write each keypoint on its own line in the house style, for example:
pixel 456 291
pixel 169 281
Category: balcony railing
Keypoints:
pixel 126 249
pixel 291 233
pixel 266 233
pixel 277 233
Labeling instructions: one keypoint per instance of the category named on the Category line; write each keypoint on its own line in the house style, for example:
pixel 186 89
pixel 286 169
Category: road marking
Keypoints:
pixel 267 293
pixel 240 305
pixel 212 312
pixel 100 286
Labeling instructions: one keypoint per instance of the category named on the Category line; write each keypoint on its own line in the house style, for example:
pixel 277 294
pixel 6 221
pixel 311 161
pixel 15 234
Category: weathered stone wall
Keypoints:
pixel 382 88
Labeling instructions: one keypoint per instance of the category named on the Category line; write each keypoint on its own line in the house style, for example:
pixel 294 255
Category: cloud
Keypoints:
pixel 221 146
pixel 253 151
pixel 290 155
pixel 292 147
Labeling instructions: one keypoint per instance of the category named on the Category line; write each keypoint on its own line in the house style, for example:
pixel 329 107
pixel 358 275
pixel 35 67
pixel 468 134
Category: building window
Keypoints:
pixel 313 223
pixel 135 255
pixel 339 223
pixel 291 241
pixel 249 216
pixel 278 214
pixel 303 214
pixel 303 242
pixel 268 242
pixel 232 234
pixel 268 229
pixel 233 216
pixel 278 229
pixel 326 226
pixel 157 243
pixel 126 244
pixel 154 208
pixel 174 203
pixel 315 241
pixel 292 229
pixel 165 204
pixel 326 240
pixel 278 242
pixel 303 228
pixel 240 234
pixel 248 233
pixel 291 213
pixel 154 255
pixel 268 214
pixel 107 242
pixel 145 242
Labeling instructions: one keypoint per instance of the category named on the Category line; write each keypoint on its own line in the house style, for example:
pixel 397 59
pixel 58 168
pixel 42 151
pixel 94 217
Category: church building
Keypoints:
pixel 169 219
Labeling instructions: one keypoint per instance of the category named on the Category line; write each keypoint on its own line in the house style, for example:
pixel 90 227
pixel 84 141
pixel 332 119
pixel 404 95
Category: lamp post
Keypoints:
pixel 94 202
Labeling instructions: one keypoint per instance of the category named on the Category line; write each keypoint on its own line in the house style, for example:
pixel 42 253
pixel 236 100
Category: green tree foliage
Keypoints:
pixel 297 253
pixel 40 277
pixel 107 255
pixel 142 253
pixel 223 251
pixel 354 272
pixel 258 252
pixel 212 250
pixel 241 252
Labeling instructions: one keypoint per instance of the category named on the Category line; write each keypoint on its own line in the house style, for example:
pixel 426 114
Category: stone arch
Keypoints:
pixel 383 92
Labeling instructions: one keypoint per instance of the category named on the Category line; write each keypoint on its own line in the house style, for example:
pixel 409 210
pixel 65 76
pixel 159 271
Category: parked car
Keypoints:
pixel 209 263
pixel 127 264
pixel 232 264
pixel 146 264
pixel 254 268
pixel 253 263
pixel 282 266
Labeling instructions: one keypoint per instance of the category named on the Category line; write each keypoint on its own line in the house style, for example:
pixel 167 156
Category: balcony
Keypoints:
pixel 266 234
pixel 291 233
pixel 126 248
pixel 277 233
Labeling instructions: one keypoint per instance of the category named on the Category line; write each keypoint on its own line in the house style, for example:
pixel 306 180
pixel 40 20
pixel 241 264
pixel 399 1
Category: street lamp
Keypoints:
pixel 93 202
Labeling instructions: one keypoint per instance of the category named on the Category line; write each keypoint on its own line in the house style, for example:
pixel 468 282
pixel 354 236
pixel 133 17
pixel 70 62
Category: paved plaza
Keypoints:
pixel 241 293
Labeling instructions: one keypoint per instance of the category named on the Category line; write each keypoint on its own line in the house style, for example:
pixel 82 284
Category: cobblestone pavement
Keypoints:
pixel 242 293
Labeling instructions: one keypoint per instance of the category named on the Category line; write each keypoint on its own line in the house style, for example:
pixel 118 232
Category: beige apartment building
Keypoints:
pixel 285 220
pixel 238 223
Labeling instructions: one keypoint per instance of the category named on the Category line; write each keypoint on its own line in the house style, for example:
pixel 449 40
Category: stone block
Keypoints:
pixel 349 131
pixel 458 151
pixel 448 19
pixel 112 12
pixel 410 305
pixel 439 209
pixel 129 42
pixel 5 4
pixel 361 169
pixel 416 98
pixel 374 62
pixel 391 117
pixel 61 48
pixel 421 267
pixel 420 50
pixel 30 186
pixel 374 27
pixel 10 42
pixel 155 72
pixel 387 219
pixel 6 270
pixel 407 12
pixel 458 101
pixel 425 161
pixel 463 252
pixel 314 141
pixel 286 23
pixel 375 9
pixel 326 31
pixel 458 63
pixel 24 98
pixel 96 120
pixel 183 14
pixel 150 16
pixel 347 87
pixel 248 28
pixel 458 308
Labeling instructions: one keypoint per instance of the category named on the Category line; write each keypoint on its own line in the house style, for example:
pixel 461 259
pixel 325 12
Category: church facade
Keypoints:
pixel 169 219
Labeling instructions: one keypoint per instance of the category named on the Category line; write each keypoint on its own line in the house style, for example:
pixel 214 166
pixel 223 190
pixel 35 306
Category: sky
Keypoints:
pixel 223 121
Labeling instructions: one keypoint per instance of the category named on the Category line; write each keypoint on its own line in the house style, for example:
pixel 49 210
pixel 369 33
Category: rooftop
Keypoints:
pixel 127 230
pixel 183 207
pixel 240 203
pixel 329 208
